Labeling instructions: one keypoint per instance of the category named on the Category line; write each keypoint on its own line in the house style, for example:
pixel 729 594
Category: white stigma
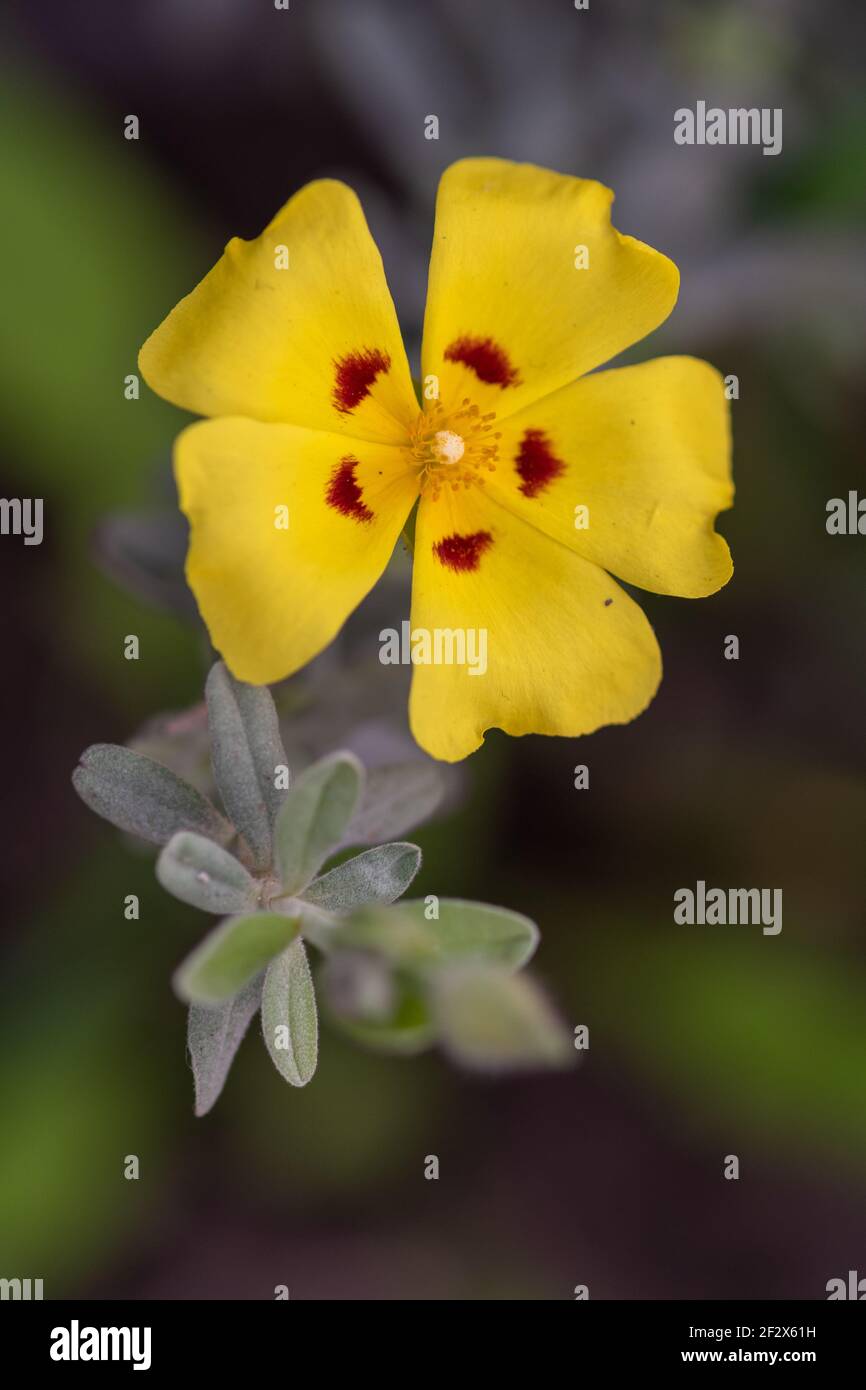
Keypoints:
pixel 449 446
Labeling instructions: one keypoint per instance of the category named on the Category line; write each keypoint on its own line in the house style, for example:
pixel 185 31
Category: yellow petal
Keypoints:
pixel 566 649
pixel 629 468
pixel 296 326
pixel 510 317
pixel 290 529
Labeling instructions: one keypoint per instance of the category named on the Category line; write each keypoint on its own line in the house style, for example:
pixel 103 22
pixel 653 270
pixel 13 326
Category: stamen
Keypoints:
pixel 454 449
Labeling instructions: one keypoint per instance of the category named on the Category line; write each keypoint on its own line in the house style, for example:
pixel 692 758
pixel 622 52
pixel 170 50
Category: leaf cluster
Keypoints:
pixel 395 975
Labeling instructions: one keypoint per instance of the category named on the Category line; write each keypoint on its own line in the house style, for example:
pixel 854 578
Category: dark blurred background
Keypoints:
pixel 703 1041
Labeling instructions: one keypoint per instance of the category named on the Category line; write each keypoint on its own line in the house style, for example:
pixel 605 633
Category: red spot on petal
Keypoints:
pixel 487 360
pixel 536 463
pixel 344 494
pixel 355 374
pixel 462 553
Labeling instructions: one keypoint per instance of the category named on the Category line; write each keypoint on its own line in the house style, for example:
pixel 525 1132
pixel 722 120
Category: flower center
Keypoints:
pixel 453 450
pixel 448 446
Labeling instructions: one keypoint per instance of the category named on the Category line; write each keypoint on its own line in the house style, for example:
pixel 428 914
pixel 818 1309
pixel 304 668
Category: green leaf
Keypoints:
pixel 396 798
pixel 378 875
pixel 246 750
pixel 142 797
pixel 202 874
pixel 214 1036
pixel 231 955
pixel 313 816
pixel 492 1020
pixel 477 930
pixel 289 1019
pixel 464 932
pixel 386 931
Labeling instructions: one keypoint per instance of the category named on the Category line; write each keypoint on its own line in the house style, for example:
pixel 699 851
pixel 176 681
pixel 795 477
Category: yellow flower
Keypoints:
pixel 291 342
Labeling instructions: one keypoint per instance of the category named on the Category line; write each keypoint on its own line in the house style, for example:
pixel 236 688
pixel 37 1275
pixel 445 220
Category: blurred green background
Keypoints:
pixel 703 1041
